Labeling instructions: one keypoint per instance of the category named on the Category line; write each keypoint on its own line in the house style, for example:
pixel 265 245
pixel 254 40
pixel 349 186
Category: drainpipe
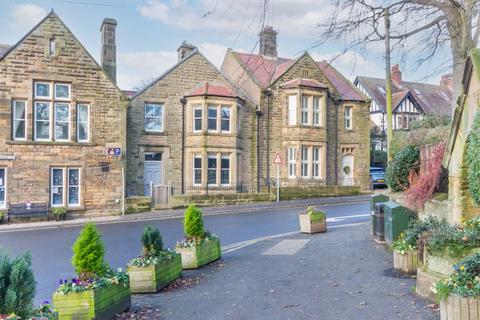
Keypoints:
pixel 183 101
pixel 268 93
pixel 258 113
pixel 337 103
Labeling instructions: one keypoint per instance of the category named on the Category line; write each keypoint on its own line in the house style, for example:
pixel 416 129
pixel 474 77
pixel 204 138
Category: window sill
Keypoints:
pixel 305 126
pixel 153 133
pixel 51 143
pixel 211 133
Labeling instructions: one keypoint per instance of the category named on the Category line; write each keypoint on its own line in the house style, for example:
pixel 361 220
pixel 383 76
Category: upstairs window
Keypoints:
pixel 19 120
pixel 305 110
pixel 62 121
pixel 292 110
pixel 42 90
pixel 316 111
pixel 197 119
pixel 225 119
pixel 348 117
pixel 42 121
pixel 62 91
pixel 153 117
pixel 83 122
pixel 212 118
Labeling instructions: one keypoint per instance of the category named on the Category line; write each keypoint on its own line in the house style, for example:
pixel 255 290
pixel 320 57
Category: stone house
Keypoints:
pixel 190 129
pixel 59 112
pixel 308 113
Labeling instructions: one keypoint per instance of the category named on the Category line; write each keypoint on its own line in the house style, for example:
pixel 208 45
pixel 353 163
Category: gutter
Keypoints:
pixel 268 93
pixel 183 101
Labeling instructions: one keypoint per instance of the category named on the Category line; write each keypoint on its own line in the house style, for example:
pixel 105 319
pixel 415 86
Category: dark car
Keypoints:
pixel 377 176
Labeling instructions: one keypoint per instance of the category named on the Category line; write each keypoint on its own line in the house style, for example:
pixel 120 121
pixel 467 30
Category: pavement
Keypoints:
pixel 341 274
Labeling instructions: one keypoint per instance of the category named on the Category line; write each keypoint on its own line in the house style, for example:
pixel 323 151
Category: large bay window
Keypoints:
pixel 65 187
pixel 3 188
pixel 311 162
pixel 153 120
pixel 217 172
pixel 310 112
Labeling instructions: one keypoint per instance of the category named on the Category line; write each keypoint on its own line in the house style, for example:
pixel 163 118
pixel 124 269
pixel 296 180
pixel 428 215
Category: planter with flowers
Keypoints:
pixel 459 293
pixel 199 246
pixel 58 213
pixel 312 221
pixel 156 268
pixel 98 292
pixel 405 255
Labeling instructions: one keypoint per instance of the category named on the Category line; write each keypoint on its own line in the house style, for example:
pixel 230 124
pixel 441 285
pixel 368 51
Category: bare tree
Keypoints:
pixel 432 24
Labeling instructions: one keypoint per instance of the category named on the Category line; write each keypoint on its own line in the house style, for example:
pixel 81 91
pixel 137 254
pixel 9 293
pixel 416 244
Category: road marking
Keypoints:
pixel 287 247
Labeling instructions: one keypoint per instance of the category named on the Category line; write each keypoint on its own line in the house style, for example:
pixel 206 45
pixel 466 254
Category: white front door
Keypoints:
pixel 346 173
pixel 152 171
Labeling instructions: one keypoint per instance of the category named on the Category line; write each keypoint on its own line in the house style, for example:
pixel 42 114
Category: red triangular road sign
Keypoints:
pixel 277 160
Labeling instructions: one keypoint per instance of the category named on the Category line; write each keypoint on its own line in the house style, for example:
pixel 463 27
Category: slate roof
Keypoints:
pixel 3 49
pixel 266 70
pixel 310 83
pixel 432 99
pixel 217 90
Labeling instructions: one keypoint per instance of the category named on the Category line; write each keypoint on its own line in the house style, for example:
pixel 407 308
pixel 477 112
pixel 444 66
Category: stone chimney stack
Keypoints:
pixel 185 49
pixel 396 74
pixel 268 42
pixel 447 81
pixel 109 48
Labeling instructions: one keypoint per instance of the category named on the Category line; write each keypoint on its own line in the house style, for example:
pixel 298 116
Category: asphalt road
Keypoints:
pixel 51 248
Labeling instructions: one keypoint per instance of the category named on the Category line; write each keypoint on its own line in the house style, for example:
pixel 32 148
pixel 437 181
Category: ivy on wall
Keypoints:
pixel 472 159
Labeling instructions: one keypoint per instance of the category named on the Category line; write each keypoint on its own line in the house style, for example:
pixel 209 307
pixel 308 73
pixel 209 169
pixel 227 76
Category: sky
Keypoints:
pixel 150 31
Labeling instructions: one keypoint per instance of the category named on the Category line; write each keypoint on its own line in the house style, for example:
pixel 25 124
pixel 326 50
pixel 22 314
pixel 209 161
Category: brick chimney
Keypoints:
pixel 447 81
pixel 268 42
pixel 396 74
pixel 109 48
pixel 185 49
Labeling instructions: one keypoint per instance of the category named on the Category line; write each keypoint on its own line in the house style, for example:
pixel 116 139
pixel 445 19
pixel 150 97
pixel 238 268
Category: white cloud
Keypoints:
pixel 24 16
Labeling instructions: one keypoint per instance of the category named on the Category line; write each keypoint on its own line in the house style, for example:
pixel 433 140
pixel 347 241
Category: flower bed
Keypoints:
pixel 312 221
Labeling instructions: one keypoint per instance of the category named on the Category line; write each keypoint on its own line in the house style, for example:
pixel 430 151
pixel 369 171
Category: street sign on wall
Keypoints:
pixel 113 152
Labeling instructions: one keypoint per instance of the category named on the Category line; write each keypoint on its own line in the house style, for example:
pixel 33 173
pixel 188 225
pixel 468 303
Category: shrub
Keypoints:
pixel 58 212
pixel 453 241
pixel 431 121
pixel 418 137
pixel 193 222
pixel 17 285
pixel 472 159
pixel 88 253
pixel 428 183
pixel 410 238
pixel 315 215
pixel 151 241
pixel 399 169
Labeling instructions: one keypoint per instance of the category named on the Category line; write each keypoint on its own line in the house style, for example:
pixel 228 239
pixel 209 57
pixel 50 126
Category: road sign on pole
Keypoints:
pixel 278 162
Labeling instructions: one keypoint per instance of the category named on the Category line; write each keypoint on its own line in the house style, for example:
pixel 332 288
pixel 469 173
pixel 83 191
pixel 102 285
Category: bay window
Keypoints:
pixel 212 118
pixel 225 119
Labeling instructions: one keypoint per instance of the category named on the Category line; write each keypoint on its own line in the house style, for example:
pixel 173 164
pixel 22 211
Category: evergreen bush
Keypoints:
pixel 151 241
pixel 406 161
pixel 193 222
pixel 88 253
pixel 17 285
pixel 473 160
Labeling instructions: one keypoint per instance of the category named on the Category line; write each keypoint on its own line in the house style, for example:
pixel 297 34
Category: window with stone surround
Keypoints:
pixel 292 162
pixel 311 162
pixel 212 169
pixel 225 170
pixel 197 118
pixel 153 119
pixel 316 162
pixel 225 119
pixel 65 187
pixel 83 122
pixel 212 118
pixel 305 110
pixel 62 121
pixel 310 112
pixel 19 120
pixel 305 172
pixel 317 111
pixel 197 169
pixel 3 188
pixel 348 117
pixel 218 171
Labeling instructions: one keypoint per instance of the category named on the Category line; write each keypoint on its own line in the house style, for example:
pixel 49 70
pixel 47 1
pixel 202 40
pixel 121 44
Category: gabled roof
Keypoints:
pixel 432 99
pixel 309 83
pixel 216 90
pixel 265 70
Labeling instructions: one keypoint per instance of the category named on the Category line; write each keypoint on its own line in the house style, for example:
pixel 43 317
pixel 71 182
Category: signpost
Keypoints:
pixel 278 162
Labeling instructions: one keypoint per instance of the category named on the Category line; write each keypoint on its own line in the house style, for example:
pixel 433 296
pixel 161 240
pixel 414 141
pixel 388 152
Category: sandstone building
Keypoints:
pixel 59 112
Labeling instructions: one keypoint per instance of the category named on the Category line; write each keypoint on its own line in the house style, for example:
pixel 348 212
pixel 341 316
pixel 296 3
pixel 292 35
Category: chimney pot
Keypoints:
pixel 396 74
pixel 185 49
pixel 268 42
pixel 109 48
pixel 447 81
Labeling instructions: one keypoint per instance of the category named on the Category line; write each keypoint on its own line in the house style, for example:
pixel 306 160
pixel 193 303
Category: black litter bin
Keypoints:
pixel 379 217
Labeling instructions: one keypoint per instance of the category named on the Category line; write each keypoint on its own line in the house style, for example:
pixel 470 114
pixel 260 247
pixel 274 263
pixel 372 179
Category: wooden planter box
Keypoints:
pixel 456 307
pixel 154 277
pixel 101 303
pixel 195 257
pixel 309 226
pixel 405 263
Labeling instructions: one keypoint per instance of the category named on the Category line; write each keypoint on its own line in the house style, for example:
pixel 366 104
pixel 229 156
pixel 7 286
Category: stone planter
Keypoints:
pixel 405 263
pixel 307 225
pixel 456 307
pixel 154 277
pixel 195 257
pixel 101 303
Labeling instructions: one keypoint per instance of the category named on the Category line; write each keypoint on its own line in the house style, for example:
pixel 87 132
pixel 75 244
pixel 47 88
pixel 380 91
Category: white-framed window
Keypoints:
pixel 348 117
pixel 292 110
pixel 212 118
pixel 197 169
pixel 225 170
pixel 83 122
pixel 3 188
pixel 197 118
pixel 304 162
pixel 153 120
pixel 212 169
pixel 57 187
pixel 62 91
pixel 73 192
pixel 316 162
pixel 305 110
pixel 292 162
pixel 42 115
pixel 65 187
pixel 42 90
pixel 225 119
pixel 19 120
pixel 317 119
pixel 62 121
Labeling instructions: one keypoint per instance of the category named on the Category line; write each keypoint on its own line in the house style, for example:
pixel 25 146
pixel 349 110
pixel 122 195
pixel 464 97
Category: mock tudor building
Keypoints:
pixel 59 111
pixel 307 112
pixel 190 129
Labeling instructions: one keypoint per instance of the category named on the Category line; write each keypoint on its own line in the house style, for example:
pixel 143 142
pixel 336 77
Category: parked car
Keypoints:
pixel 377 177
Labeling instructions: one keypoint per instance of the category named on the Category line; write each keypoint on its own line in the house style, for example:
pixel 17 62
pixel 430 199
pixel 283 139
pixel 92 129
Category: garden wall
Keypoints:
pixel 182 201
pixel 138 204
pixel 293 193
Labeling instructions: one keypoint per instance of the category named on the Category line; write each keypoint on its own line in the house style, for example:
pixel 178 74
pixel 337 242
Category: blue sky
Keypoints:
pixel 149 32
